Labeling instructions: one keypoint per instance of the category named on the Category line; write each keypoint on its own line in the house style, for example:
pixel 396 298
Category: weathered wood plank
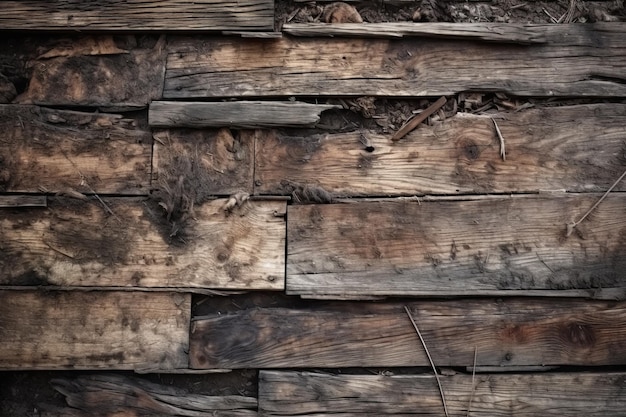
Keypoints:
pixel 522 395
pixel 490 32
pixel 49 150
pixel 137 15
pixel 130 243
pixel 581 60
pixel 23 201
pixel 247 114
pixel 513 245
pixel 336 335
pixel 85 330
pixel 544 151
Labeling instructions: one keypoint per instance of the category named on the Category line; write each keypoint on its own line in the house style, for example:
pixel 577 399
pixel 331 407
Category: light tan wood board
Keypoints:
pixel 349 334
pixel 93 330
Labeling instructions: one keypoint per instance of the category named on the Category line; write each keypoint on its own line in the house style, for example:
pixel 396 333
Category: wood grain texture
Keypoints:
pixel 79 243
pixel 521 395
pixel 23 200
pixel 85 330
pixel 57 151
pixel 336 335
pixel 247 114
pixel 573 148
pixel 493 246
pixel 581 60
pixel 489 32
pixel 137 15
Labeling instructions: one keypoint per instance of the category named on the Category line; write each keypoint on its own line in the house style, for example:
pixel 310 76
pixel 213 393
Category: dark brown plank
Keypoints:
pixel 506 332
pixel 88 330
pixel 521 395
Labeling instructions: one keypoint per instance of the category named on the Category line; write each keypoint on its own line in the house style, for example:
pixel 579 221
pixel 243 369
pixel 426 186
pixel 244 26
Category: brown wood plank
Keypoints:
pixel 335 335
pixel 513 245
pixel 62 151
pixel 137 15
pixel 23 201
pixel 89 330
pixel 581 60
pixel 521 395
pixel 247 114
pixel 125 242
pixel 545 150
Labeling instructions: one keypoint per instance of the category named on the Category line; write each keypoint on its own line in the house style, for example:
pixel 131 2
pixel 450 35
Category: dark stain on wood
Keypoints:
pixel 578 335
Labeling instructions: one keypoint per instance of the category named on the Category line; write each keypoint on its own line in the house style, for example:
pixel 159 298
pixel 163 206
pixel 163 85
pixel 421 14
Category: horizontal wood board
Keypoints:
pixel 88 330
pixel 513 245
pixel 521 395
pixel 337 335
pixel 577 60
pixel 574 148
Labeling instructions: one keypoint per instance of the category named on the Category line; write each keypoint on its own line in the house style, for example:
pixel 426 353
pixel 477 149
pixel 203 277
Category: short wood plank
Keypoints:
pixel 490 32
pixel 23 200
pixel 513 245
pixel 63 151
pixel 544 151
pixel 577 60
pixel 247 114
pixel 521 395
pixel 506 332
pixel 89 330
pixel 137 15
pixel 129 243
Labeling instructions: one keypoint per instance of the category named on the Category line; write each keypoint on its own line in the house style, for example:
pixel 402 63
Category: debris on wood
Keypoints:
pixel 307 193
pixel 501 140
pixel 236 200
pixel 417 119
pixel 341 13
pixel 89 45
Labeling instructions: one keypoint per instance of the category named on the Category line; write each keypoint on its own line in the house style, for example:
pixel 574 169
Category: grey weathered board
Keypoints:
pixel 63 151
pixel 335 335
pixel 125 242
pixel 515 245
pixel 137 15
pixel 582 60
pixel 521 395
pixel 574 148
pixel 93 330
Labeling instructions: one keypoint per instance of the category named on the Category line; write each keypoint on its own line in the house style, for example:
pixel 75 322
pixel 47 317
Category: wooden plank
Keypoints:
pixel 213 162
pixel 522 395
pixel 544 151
pixel 63 151
pixel 246 114
pixel 137 15
pixel 506 332
pixel 490 32
pixel 23 201
pixel 83 330
pixel 513 245
pixel 578 60
pixel 130 243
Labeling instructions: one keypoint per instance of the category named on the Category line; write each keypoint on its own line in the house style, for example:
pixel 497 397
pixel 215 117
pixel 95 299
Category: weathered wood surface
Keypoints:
pixel 582 60
pixel 514 245
pixel 23 201
pixel 211 161
pixel 88 330
pixel 137 15
pixel 490 32
pixel 63 151
pixel 129 243
pixel 522 395
pixel 573 148
pixel 104 394
pixel 508 332
pixel 247 114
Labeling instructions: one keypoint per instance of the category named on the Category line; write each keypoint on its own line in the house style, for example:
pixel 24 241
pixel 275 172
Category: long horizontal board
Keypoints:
pixel 247 114
pixel 89 330
pixel 137 15
pixel 521 395
pixel 120 242
pixel 62 151
pixel 577 60
pixel 513 245
pixel 336 335
pixel 544 150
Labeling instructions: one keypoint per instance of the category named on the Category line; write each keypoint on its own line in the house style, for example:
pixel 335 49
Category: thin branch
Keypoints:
pixel 413 122
pixel 469 406
pixel 502 148
pixel 432 364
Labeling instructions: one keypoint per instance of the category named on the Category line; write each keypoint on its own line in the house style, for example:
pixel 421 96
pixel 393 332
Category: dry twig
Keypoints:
pixel 501 138
pixel 413 122
pixel 432 364
pixel 469 406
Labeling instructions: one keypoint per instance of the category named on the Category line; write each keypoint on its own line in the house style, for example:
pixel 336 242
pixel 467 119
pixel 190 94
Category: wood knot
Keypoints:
pixel 470 149
pixel 579 335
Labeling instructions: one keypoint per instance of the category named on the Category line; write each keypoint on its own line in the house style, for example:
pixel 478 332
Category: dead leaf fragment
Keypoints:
pixel 341 13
